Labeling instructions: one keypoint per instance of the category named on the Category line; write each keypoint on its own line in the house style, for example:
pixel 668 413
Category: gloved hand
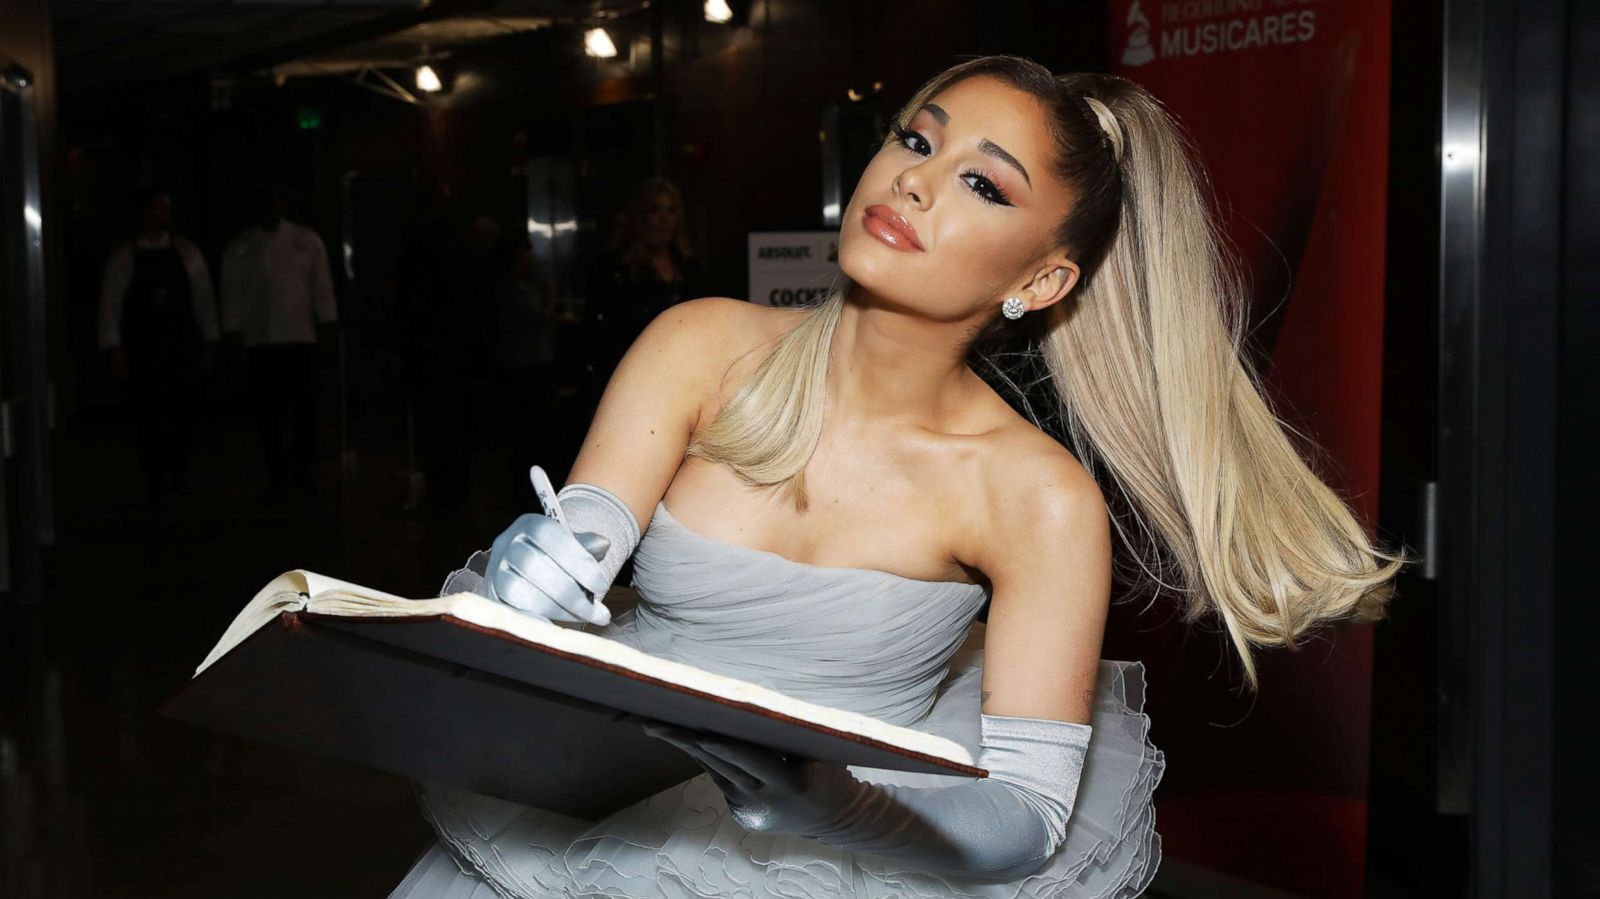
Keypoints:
pixel 539 567
pixel 1000 828
pixel 766 790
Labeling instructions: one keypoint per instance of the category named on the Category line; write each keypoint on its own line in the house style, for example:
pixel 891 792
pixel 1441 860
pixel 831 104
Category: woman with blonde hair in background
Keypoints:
pixel 822 500
pixel 646 266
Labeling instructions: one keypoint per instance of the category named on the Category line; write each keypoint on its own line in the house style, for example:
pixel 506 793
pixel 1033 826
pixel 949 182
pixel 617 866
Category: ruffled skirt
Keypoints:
pixel 682 842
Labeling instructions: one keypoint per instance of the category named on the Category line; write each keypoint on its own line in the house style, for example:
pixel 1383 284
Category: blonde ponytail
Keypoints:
pixel 1148 364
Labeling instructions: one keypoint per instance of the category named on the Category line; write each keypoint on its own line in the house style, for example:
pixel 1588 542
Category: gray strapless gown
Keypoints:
pixel 905 650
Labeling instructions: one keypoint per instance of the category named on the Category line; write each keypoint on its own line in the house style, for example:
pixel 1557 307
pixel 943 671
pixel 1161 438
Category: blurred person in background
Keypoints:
pixel 276 289
pixel 524 352
pixel 158 326
pixel 646 266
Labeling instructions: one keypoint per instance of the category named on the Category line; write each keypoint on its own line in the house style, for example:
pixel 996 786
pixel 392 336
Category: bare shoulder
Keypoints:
pixel 685 340
pixel 1049 471
pixel 708 329
pixel 655 399
pixel 700 321
pixel 1033 494
pixel 711 344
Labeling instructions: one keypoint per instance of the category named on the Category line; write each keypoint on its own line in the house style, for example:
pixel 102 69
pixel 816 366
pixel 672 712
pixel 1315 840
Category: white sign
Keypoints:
pixel 792 268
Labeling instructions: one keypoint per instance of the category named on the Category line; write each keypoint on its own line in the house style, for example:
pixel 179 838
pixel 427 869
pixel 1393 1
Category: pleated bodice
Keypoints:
pixel 853 638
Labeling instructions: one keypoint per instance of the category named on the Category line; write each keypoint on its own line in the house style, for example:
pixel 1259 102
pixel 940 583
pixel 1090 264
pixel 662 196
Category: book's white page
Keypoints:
pixel 498 616
pixel 284 593
pixel 319 584
pixel 288 592
pixel 304 590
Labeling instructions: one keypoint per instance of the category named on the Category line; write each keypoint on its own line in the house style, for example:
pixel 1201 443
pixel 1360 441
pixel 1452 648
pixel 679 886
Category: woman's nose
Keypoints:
pixel 910 184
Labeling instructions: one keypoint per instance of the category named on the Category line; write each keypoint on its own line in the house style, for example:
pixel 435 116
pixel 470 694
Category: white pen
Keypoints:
pixel 546 492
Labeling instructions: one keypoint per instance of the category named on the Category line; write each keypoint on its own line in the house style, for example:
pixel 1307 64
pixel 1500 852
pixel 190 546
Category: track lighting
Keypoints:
pixel 597 43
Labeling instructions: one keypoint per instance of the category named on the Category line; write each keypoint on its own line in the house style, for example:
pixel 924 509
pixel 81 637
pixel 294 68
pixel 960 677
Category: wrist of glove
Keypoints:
pixel 1001 828
pixel 766 790
pixel 540 567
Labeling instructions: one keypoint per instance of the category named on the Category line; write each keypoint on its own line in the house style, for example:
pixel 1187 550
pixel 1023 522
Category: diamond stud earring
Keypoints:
pixel 1012 308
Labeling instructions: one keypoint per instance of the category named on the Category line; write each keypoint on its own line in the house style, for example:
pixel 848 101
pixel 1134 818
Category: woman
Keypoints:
pixel 1003 197
pixel 647 265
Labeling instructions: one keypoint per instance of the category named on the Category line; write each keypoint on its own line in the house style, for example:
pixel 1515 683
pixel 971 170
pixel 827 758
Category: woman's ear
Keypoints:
pixel 1053 283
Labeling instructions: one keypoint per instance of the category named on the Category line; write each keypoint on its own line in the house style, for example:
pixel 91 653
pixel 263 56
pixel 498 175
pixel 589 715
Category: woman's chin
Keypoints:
pixel 889 296
pixel 873 267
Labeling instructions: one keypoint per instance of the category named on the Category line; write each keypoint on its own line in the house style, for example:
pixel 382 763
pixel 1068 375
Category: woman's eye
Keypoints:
pixel 987 190
pixel 904 134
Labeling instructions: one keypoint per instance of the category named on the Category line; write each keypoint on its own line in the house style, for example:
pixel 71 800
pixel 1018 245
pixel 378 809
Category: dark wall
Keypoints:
pixel 28 299
pixel 1577 618
pixel 25 40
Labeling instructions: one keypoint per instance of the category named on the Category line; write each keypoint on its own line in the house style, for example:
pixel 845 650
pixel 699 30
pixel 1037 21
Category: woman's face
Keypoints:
pixel 971 175
pixel 660 220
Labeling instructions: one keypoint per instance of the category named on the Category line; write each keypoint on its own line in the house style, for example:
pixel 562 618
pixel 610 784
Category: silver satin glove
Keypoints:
pixel 1001 828
pixel 540 567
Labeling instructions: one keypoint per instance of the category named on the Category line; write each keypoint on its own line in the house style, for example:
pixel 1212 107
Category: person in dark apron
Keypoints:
pixel 163 347
pixel 157 320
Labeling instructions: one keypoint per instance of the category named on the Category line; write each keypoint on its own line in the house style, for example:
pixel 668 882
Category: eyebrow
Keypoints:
pixel 986 146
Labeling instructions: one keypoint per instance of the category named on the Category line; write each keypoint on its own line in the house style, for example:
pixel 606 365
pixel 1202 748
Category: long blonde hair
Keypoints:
pixel 1147 373
pixel 625 241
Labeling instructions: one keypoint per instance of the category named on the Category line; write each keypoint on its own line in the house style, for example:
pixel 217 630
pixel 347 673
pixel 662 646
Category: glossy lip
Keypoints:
pixel 896 221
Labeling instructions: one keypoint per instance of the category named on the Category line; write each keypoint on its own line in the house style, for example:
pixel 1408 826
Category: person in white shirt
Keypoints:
pixel 276 289
pixel 158 325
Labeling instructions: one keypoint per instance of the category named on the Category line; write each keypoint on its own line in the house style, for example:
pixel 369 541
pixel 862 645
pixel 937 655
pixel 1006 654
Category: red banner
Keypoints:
pixel 1288 103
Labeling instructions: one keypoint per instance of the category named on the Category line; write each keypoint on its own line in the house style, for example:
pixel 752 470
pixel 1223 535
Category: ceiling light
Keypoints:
pixel 428 80
pixel 597 43
pixel 718 11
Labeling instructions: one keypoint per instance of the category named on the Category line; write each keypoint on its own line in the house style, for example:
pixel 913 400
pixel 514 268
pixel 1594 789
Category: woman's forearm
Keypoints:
pixel 1001 828
pixel 988 829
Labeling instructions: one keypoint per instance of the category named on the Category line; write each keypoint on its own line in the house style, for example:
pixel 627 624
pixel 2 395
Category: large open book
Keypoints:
pixel 468 692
